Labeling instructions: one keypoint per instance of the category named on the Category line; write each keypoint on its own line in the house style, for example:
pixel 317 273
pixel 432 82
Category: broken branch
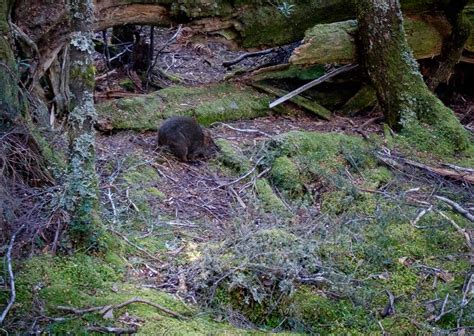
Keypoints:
pixel 105 309
pixel 11 301
pixel 315 82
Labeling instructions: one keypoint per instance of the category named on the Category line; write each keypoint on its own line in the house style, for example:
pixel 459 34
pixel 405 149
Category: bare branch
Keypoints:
pixel 315 82
pixel 11 301
pixel 456 207
pixel 105 309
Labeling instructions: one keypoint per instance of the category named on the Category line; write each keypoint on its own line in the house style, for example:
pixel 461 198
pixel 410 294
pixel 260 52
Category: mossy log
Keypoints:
pixel 335 42
pixel 222 102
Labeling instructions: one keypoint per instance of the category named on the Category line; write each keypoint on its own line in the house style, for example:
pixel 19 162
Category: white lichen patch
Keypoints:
pixel 82 41
pixel 84 110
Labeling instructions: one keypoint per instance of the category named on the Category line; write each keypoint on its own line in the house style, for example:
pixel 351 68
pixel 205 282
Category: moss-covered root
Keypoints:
pixel 404 97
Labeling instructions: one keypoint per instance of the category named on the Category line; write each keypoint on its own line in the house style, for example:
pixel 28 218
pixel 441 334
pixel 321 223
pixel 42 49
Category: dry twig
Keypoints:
pixel 456 207
pixel 114 330
pixel 134 245
pixel 241 130
pixel 315 82
pixel 11 301
pixel 105 309
pixel 459 229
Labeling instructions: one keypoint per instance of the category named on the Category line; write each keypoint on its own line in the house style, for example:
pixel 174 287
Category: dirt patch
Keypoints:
pixel 193 190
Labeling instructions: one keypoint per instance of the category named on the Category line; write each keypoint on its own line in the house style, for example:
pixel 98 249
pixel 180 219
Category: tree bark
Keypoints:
pixel 82 193
pixel 453 45
pixel 9 100
pixel 403 95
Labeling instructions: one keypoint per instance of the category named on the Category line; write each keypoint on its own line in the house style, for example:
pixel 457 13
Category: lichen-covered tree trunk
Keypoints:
pixel 453 45
pixel 82 196
pixel 407 102
pixel 9 101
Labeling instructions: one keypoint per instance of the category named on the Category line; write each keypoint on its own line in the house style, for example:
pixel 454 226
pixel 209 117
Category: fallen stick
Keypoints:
pixel 315 82
pixel 465 176
pixel 451 173
pixel 247 55
pixel 114 330
pixel 11 276
pixel 240 129
pixel 459 229
pixel 134 245
pixel 105 309
pixel 456 207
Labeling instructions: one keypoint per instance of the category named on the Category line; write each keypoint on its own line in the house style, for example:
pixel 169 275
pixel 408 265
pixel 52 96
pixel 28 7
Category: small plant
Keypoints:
pixel 286 9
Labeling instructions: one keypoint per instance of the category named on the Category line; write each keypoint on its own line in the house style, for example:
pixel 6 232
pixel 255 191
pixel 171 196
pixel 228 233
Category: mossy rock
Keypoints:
pixel 221 102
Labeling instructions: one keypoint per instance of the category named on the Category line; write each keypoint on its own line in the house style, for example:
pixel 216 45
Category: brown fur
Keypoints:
pixel 185 138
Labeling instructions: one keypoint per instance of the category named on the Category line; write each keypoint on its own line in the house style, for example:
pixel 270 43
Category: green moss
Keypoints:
pixel 155 193
pixel 285 175
pixel 201 8
pixel 85 74
pixel 329 316
pixel 266 25
pixel 84 281
pixel 437 124
pixel 292 71
pixel 270 201
pixel 323 156
pixel 334 42
pixel 141 174
pixel 339 202
pixel 364 98
pixel 232 157
pixel 62 281
pixel 222 102
pixel 128 85
pixel 376 177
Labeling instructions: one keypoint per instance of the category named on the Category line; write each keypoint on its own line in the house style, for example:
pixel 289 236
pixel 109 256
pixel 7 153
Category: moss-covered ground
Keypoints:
pixel 328 236
pixel 300 232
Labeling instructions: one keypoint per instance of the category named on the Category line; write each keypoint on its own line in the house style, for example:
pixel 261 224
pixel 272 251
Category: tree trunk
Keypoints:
pixel 453 45
pixel 82 179
pixel 403 95
pixel 9 101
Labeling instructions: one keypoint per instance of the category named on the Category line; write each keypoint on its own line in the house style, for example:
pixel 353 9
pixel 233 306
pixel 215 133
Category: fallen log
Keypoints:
pixel 335 42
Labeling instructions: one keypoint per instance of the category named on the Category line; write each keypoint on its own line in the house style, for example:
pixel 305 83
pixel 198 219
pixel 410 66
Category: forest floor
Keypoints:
pixel 295 226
